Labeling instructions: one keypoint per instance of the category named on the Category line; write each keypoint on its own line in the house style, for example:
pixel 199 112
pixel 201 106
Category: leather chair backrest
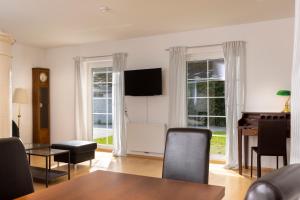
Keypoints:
pixel 272 136
pixel 282 184
pixel 15 176
pixel 15 129
pixel 187 154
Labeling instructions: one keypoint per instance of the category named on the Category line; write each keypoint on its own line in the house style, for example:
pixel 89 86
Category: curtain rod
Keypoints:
pixel 201 46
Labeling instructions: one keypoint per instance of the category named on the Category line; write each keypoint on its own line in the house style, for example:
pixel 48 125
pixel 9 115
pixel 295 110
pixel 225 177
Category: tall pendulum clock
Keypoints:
pixel 41 105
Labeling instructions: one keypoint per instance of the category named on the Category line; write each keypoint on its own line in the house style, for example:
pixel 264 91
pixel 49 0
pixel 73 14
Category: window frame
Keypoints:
pixel 207 97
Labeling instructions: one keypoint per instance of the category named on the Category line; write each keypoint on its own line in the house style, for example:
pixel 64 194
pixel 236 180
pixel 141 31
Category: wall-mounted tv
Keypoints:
pixel 144 82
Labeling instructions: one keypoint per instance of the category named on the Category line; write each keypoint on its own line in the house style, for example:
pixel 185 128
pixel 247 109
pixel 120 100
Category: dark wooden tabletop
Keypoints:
pixel 106 185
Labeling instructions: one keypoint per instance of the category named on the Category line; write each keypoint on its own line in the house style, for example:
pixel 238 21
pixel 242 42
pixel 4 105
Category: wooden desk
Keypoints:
pixel 110 185
pixel 246 132
pixel 248 126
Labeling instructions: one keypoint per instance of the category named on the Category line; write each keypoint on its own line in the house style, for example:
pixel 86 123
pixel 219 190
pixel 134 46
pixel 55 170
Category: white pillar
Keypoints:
pixel 6 42
pixel 295 94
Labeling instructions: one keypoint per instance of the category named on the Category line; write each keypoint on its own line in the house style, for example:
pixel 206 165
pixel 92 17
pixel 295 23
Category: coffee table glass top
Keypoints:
pixel 30 146
pixel 46 152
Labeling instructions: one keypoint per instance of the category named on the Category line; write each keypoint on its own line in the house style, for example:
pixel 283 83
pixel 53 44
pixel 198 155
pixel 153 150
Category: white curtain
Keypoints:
pixel 295 93
pixel 235 61
pixel 177 87
pixel 119 130
pixel 81 118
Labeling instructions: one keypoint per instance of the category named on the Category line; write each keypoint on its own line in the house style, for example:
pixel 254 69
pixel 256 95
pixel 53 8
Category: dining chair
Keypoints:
pixel 15 129
pixel 186 154
pixel 271 141
pixel 15 174
pixel 282 184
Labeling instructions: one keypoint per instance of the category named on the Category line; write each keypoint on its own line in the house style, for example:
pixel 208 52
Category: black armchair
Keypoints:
pixel 282 184
pixel 187 154
pixel 15 175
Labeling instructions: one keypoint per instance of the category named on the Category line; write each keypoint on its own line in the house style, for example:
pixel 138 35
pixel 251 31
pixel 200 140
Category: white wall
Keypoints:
pixel 62 93
pixel 24 59
pixel 269 61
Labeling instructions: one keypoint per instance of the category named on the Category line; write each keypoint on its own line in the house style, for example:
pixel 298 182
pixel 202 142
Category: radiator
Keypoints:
pixel 146 138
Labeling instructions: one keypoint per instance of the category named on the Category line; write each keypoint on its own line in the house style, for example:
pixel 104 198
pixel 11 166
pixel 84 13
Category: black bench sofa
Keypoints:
pixel 80 151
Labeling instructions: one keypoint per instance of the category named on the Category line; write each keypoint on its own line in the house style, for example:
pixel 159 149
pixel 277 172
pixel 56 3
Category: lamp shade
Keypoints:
pixel 283 93
pixel 20 96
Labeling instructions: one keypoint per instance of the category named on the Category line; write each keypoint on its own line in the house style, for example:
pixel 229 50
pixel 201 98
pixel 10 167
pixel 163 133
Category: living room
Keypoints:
pixel 92 56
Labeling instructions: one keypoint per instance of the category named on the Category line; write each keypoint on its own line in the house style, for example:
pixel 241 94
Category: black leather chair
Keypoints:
pixel 15 176
pixel 282 184
pixel 271 141
pixel 15 130
pixel 187 155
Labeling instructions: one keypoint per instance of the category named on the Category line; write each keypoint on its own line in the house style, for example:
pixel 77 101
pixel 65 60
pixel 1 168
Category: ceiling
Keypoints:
pixel 51 23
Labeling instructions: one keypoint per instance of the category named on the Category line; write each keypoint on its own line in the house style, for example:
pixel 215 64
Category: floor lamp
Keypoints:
pixel 20 97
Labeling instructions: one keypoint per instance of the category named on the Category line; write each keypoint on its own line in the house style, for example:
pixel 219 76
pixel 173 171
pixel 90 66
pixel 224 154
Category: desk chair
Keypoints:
pixel 271 141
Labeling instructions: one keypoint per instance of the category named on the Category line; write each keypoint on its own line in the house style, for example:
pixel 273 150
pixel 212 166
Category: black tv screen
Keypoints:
pixel 144 82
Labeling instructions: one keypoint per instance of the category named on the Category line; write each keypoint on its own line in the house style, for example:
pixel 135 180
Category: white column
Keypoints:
pixel 295 94
pixel 6 42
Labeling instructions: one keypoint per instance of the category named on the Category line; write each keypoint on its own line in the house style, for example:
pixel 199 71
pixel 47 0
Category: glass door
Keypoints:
pixel 102 106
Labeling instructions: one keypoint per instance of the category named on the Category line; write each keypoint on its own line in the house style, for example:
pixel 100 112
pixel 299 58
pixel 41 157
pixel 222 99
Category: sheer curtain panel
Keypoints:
pixel 119 130
pixel 177 87
pixel 235 61
pixel 81 93
pixel 295 105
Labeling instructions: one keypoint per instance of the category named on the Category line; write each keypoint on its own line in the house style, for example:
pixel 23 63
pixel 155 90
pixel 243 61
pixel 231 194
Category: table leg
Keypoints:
pixel 29 161
pixel 258 166
pixel 246 148
pixel 49 163
pixel 240 150
pixel 46 171
pixel 69 176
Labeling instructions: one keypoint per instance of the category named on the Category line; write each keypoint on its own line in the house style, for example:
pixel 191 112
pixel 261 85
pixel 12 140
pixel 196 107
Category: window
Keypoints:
pixel 206 99
pixel 102 105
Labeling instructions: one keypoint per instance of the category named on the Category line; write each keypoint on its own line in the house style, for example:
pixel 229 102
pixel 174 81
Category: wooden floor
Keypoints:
pixel 235 185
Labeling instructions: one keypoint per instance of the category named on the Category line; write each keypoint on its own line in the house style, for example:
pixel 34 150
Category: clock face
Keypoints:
pixel 43 77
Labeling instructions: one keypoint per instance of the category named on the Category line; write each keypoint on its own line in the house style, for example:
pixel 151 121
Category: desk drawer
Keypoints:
pixel 250 131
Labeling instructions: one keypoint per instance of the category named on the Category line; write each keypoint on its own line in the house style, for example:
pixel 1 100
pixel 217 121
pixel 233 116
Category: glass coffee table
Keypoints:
pixel 31 146
pixel 47 174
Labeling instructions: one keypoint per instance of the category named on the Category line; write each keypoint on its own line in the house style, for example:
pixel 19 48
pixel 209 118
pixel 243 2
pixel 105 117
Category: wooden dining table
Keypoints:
pixel 112 185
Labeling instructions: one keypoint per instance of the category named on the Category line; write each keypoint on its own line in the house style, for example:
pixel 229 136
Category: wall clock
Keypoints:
pixel 43 77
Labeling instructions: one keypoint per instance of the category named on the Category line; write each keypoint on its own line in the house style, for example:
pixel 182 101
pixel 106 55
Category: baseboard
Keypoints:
pixel 217 162
pixel 104 150
pixel 145 156
pixel 262 169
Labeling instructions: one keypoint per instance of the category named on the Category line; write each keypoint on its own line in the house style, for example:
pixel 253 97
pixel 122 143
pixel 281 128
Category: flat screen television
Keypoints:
pixel 144 82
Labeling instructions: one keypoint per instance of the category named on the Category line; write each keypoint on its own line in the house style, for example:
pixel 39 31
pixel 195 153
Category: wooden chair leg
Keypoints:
pixel 258 166
pixel 285 160
pixel 251 167
pixel 276 162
